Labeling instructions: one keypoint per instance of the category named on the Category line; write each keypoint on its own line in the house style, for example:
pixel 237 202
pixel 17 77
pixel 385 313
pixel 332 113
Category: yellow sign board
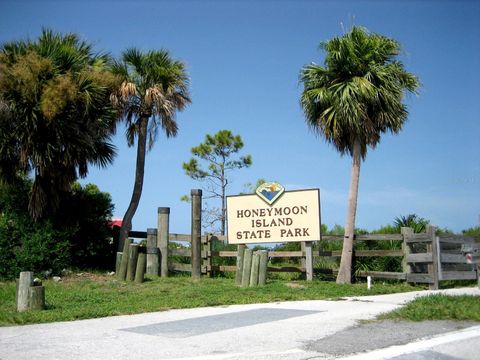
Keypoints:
pixel 294 216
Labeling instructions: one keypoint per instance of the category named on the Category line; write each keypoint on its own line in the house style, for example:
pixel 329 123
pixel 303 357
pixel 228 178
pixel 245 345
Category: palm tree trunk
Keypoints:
pixel 138 185
pixel 345 272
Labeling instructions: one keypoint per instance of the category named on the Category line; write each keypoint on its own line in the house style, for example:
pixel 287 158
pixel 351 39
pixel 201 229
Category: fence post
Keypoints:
pixel 162 238
pixel 24 282
pixel 196 196
pixel 308 248
pixel 122 271
pixel 432 248
pixel 207 255
pixel 262 270
pixel 140 270
pixel 152 253
pixel 247 267
pixel 118 261
pixel 240 256
pixel 406 232
pixel 36 298
pixel 132 262
pixel 254 271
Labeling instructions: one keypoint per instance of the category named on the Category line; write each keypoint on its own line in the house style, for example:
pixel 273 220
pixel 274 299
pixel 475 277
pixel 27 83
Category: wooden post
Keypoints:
pixel 141 267
pixel 262 269
pixel 247 267
pixel 196 196
pixel 308 246
pixel 36 298
pixel 162 238
pixel 25 281
pixel 432 247
pixel 132 262
pixel 406 232
pixel 122 272
pixel 207 255
pixel 240 257
pixel 254 271
pixel 153 253
pixel 118 261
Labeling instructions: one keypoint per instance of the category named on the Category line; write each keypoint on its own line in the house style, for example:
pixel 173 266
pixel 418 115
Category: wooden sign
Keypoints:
pixel 291 216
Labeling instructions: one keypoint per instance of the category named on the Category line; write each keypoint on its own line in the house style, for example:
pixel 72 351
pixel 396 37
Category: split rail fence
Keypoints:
pixel 427 257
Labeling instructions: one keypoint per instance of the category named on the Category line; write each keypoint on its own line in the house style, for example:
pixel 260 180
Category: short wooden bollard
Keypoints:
pixel 118 261
pixel 132 262
pixel 141 267
pixel 254 271
pixel 247 267
pixel 25 281
pixel 153 253
pixel 36 298
pixel 122 272
pixel 240 256
pixel 262 268
pixel 29 296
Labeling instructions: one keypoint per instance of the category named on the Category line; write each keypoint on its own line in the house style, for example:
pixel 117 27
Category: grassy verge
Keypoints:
pixel 99 296
pixel 438 307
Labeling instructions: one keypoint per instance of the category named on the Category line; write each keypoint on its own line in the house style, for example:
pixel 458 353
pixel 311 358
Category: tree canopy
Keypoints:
pixel 56 118
pixel 359 93
pixel 217 152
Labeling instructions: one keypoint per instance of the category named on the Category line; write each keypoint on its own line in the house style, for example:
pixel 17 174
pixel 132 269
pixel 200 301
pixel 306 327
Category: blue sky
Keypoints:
pixel 244 58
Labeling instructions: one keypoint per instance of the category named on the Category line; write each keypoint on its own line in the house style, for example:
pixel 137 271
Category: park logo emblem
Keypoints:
pixel 270 192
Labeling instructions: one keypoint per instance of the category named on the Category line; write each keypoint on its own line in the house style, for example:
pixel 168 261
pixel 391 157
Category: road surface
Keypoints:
pixel 285 330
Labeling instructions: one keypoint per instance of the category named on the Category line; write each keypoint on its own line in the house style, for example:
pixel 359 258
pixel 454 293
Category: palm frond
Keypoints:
pixel 358 93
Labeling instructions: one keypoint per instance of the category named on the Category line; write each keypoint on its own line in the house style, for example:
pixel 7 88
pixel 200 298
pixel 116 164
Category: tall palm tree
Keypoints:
pixel 60 119
pixel 351 101
pixel 154 87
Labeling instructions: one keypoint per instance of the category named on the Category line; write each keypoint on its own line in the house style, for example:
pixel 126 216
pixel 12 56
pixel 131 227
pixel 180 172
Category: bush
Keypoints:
pixel 87 211
pixel 78 236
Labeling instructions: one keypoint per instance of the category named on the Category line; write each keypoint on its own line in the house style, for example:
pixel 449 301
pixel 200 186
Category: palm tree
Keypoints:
pixel 57 117
pixel 153 88
pixel 351 101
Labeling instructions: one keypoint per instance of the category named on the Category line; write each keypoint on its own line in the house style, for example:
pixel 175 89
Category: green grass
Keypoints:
pixel 438 307
pixel 102 296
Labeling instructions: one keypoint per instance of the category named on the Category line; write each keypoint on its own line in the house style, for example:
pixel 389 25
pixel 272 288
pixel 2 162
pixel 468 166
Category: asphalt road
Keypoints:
pixel 284 330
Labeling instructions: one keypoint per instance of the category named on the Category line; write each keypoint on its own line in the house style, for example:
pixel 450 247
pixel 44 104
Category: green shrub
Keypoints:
pixel 78 236
pixel 87 211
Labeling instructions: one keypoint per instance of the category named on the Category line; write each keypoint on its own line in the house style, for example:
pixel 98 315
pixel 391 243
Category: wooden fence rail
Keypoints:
pixel 426 257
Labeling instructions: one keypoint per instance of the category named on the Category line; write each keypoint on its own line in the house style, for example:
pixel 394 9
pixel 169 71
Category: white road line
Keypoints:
pixel 420 345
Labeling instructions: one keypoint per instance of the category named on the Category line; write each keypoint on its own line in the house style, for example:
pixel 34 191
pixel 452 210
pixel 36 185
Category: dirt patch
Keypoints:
pixel 296 286
pixel 82 276
pixel 382 334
